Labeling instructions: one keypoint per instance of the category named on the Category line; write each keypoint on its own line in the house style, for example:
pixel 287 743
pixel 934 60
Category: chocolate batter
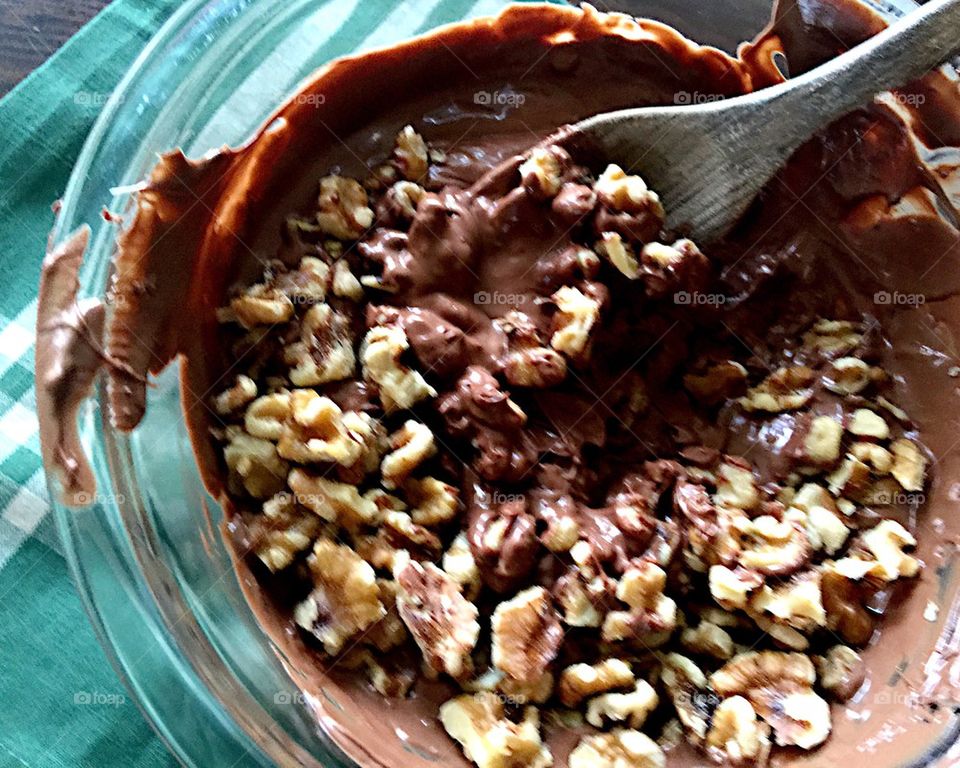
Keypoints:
pixel 856 224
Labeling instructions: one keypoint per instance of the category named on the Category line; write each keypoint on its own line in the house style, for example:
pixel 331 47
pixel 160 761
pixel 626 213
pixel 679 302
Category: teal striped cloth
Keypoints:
pixel 61 704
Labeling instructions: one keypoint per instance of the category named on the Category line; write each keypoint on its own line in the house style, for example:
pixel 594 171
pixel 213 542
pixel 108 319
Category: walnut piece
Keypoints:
pixel 542 171
pixel 886 560
pixel 253 465
pixel 345 599
pixel 526 635
pixel 432 501
pixel 717 383
pixel 443 623
pixel 652 615
pixel 622 192
pixel 736 736
pixel 630 709
pixel 909 464
pixel 342 209
pixel 236 397
pixel 285 530
pixel 324 352
pixel 780 688
pixel 411 155
pixel 410 446
pixel 581 681
pixel 318 431
pixel 620 748
pixel 399 386
pixel 708 639
pixel 786 389
pixel 620 254
pixel 478 723
pixel 576 316
pixel 333 501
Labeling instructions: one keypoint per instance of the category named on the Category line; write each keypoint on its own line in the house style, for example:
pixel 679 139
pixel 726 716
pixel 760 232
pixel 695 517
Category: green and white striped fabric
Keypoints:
pixel 61 705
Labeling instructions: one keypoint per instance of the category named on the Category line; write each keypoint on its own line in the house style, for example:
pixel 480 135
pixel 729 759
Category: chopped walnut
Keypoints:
pixel 236 397
pixel 708 639
pixel 885 543
pixel 772 547
pixel 821 444
pixel 345 283
pixel 652 615
pixel 526 635
pixel 736 486
pixel 841 672
pixel 797 602
pixel 850 477
pixel 410 446
pixel 867 423
pixel 582 681
pixel 876 456
pixel 686 685
pixel 403 534
pixel 318 431
pixel 342 209
pixel 629 709
pixel 780 688
pixel 528 362
pixel 411 155
pixel 620 748
pixel 620 254
pixel 432 501
pixel 390 632
pixel 542 171
pixel 265 417
pixel 909 464
pixel 261 304
pixel 285 530
pixel 324 352
pixel 333 501
pixel 717 383
pixel 399 386
pixel 576 316
pixel 848 376
pixel 816 509
pixel 489 739
pixel 459 563
pixel 253 464
pixel 736 736
pixel 731 588
pixel 832 338
pixel 786 389
pixel 443 623
pixel 622 192
pixel 345 599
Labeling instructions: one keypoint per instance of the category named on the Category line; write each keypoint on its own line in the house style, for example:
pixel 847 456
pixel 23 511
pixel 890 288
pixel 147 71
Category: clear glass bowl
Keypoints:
pixel 148 558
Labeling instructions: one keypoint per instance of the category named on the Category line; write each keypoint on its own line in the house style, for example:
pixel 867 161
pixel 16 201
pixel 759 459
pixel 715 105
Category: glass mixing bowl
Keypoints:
pixel 148 558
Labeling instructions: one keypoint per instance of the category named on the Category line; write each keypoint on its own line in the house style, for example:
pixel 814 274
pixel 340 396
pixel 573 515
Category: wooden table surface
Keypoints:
pixel 31 30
